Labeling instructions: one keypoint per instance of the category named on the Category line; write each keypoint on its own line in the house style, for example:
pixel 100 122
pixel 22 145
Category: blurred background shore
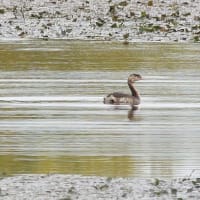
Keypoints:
pixel 118 20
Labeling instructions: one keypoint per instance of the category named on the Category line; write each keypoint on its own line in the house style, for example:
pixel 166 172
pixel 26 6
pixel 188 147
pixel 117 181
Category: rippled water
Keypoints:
pixel 53 120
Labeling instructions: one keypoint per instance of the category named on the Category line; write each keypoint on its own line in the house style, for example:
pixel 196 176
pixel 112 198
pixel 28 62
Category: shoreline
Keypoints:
pixel 66 187
pixel 94 41
pixel 119 20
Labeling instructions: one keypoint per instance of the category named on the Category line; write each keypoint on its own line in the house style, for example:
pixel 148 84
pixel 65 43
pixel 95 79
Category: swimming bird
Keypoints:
pixel 132 99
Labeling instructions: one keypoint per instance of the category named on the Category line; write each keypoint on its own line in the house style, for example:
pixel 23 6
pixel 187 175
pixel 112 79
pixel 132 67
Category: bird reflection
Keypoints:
pixel 131 113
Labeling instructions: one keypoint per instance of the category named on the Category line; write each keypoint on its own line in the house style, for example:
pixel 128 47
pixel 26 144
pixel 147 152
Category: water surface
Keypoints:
pixel 53 120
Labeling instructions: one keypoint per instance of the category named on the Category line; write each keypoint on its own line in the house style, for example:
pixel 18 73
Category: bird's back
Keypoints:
pixel 121 98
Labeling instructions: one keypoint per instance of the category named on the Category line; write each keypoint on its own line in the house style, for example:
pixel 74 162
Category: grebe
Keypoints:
pixel 117 98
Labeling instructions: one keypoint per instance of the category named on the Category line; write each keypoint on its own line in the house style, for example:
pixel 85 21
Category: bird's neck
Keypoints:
pixel 133 90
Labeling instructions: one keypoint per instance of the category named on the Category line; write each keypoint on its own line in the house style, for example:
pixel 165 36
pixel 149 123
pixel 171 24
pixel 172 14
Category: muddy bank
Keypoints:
pixel 60 187
pixel 125 20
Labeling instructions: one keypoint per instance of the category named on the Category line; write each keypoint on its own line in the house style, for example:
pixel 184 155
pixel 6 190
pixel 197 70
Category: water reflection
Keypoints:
pixel 86 165
pixel 53 118
pixel 131 113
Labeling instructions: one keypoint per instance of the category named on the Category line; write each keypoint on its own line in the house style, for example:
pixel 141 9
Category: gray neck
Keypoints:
pixel 133 90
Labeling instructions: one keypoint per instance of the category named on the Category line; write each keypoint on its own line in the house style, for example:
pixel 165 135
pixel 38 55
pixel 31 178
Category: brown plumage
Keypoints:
pixel 121 98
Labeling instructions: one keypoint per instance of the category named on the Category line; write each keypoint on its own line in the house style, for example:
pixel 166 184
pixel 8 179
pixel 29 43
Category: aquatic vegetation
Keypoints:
pixel 196 38
pixel 150 3
pixel 2 11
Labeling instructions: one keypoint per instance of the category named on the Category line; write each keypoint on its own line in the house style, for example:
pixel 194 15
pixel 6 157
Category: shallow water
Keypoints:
pixel 53 119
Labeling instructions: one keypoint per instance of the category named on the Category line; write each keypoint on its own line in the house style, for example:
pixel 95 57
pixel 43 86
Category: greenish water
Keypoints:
pixel 53 120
